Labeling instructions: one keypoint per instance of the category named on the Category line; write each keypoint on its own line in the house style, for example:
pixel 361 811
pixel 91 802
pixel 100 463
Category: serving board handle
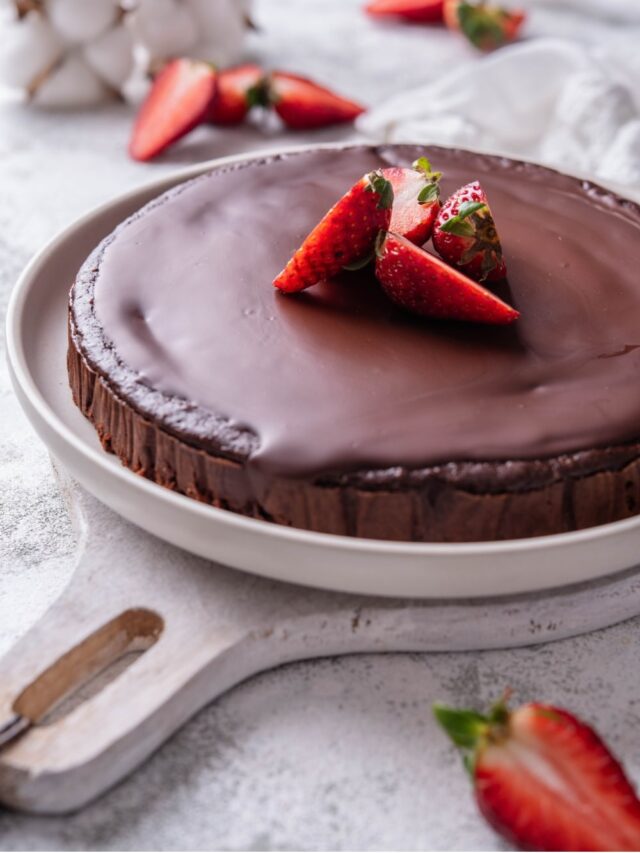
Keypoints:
pixel 144 635
pixel 141 638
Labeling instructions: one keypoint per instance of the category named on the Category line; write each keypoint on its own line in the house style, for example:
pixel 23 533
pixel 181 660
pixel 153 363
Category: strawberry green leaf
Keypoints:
pixel 429 193
pixel 258 95
pixel 422 164
pixel 379 184
pixel 483 27
pixel 469 207
pixel 455 226
pixel 465 728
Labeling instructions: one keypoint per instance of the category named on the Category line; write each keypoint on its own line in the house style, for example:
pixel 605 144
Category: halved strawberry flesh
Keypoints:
pixel 410 217
pixel 304 105
pixel 179 100
pixel 426 11
pixel 234 98
pixel 345 235
pixel 545 780
pixel 423 284
pixel 465 234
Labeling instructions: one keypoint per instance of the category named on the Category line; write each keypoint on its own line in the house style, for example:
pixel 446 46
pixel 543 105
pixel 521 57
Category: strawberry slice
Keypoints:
pixel 345 236
pixel 544 779
pixel 179 100
pixel 237 91
pixel 416 200
pixel 423 284
pixel 485 25
pixel 303 104
pixel 425 11
pixel 465 234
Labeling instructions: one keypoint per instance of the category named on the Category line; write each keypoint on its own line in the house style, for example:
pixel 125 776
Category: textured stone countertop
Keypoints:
pixel 336 754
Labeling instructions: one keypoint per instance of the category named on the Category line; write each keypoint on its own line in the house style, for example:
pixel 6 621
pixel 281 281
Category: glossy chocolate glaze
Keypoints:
pixel 337 379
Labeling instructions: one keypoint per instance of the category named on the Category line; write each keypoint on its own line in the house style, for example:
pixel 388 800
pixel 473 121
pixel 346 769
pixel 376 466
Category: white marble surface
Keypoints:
pixel 337 754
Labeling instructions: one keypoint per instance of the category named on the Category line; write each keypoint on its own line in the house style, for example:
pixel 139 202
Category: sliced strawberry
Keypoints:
pixel 485 25
pixel 422 283
pixel 465 234
pixel 179 100
pixel 303 105
pixel 544 779
pixel 237 91
pixel 425 11
pixel 345 236
pixel 416 200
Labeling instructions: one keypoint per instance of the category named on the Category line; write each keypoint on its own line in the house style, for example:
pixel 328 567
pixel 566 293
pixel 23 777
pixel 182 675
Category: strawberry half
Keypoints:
pixel 485 25
pixel 179 100
pixel 544 779
pixel 424 11
pixel 465 234
pixel 303 105
pixel 236 93
pixel 345 236
pixel 416 200
pixel 423 284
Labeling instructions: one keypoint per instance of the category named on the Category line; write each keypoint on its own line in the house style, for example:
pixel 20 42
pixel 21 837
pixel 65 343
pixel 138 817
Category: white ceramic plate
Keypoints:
pixel 36 342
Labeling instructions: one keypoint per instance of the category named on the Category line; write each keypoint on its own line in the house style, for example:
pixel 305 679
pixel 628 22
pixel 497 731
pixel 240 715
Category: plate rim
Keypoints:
pixel 22 377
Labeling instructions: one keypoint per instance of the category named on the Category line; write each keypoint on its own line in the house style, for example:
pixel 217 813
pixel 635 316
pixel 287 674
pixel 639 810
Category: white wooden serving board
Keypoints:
pixel 200 628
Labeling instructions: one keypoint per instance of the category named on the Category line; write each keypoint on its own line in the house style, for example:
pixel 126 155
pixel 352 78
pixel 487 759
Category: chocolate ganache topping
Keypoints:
pixel 339 379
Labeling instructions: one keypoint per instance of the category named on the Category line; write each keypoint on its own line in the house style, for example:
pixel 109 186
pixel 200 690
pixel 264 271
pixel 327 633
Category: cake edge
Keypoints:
pixel 574 493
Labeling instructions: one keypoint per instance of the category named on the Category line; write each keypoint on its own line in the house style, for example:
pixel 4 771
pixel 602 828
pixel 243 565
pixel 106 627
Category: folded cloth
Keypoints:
pixel 620 11
pixel 568 105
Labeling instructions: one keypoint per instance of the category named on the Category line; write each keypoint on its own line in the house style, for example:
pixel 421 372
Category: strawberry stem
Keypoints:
pixel 469 730
pixel 259 95
pixel 431 191
pixel 482 24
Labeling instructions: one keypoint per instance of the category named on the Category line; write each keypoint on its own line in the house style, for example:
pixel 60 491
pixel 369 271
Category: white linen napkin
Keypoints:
pixel 621 11
pixel 569 105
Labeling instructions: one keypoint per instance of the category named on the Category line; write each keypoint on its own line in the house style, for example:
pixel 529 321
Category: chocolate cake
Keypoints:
pixel 335 411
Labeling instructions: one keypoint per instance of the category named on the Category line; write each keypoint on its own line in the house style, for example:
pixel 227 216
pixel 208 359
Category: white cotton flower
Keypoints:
pixel 29 48
pixel 222 25
pixel 166 28
pixel 80 21
pixel 110 45
pixel 73 83
pixel 111 55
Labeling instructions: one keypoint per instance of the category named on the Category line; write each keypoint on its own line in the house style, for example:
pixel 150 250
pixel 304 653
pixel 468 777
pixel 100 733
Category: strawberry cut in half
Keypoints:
pixel 304 105
pixel 422 11
pixel 345 236
pixel 416 200
pixel 179 100
pixel 238 90
pixel 423 284
pixel 544 779
pixel 465 235
pixel 485 25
